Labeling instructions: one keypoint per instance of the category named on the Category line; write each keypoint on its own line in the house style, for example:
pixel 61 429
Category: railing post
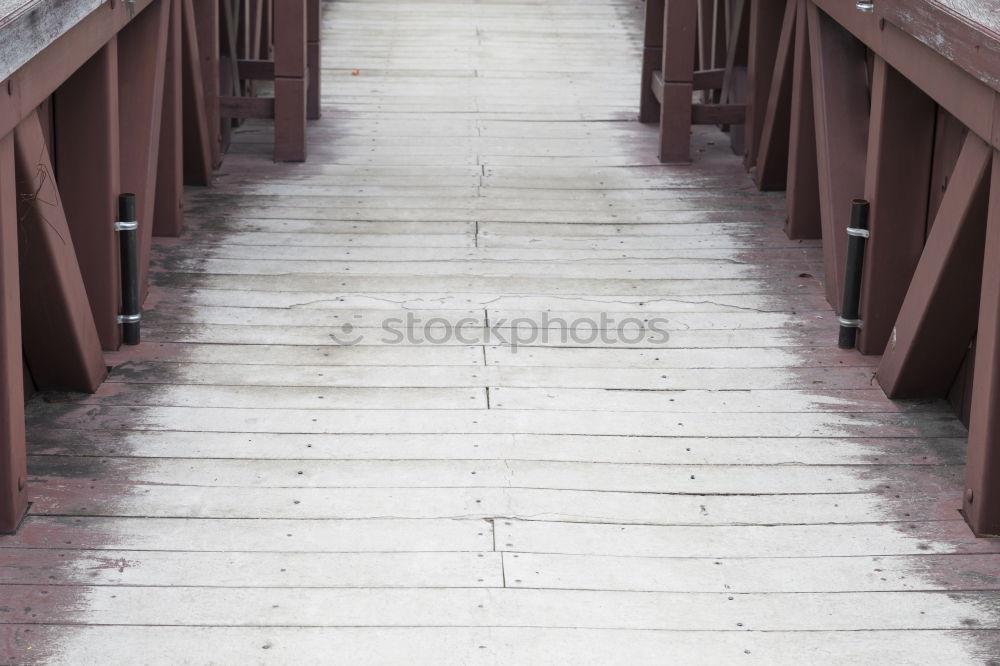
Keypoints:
pixel 981 503
pixel 13 466
pixel 86 129
pixel 314 58
pixel 290 82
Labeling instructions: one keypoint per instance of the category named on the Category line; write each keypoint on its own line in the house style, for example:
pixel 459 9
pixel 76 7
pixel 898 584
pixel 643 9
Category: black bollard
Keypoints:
pixel 128 244
pixel 850 302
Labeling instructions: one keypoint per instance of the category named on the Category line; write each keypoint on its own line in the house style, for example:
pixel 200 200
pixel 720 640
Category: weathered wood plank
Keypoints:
pixel 461 646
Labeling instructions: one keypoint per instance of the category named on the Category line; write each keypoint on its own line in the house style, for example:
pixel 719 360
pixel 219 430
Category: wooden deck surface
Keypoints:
pixel 245 490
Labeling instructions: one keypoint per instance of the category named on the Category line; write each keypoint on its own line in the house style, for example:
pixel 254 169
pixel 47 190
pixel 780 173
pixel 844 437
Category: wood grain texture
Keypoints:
pixel 248 488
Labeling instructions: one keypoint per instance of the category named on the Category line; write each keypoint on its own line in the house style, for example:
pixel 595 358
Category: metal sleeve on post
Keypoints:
pixel 128 243
pixel 851 301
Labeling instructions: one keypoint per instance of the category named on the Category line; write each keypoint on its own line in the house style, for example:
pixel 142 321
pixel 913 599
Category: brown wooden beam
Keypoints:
pixel 198 147
pixel 706 34
pixel 247 107
pixel 168 212
pixel 314 20
pixel 206 23
pixel 229 78
pixel 771 169
pixel 257 70
pixel 88 158
pixel 61 343
pixel 266 50
pixel 290 83
pixel 981 503
pixel 840 104
pixel 652 59
pixel 680 23
pixel 900 150
pixel 734 88
pixel 937 320
pixel 13 465
pixel 718 114
pixel 766 22
pixel 142 55
pixel 709 79
pixel 802 195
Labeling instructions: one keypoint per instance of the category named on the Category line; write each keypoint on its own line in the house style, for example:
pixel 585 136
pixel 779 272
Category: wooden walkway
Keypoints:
pixel 245 489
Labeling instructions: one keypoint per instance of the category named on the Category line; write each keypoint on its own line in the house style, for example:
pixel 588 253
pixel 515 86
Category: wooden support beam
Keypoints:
pixel 314 36
pixel 981 504
pixel 735 12
pixel 168 212
pixel 257 70
pixel 765 28
pixel 937 320
pixel 266 50
pixel 88 158
pixel 706 33
pixel 13 465
pixel 198 147
pixel 142 55
pixel 206 24
pixel 718 114
pixel 734 88
pixel 61 343
pixel 802 196
pixel 290 83
pixel 680 25
pixel 840 100
pixel 229 78
pixel 900 150
pixel 247 107
pixel 709 79
pixel 652 60
pixel 771 169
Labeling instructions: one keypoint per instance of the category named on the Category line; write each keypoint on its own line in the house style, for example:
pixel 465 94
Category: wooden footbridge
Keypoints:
pixel 447 358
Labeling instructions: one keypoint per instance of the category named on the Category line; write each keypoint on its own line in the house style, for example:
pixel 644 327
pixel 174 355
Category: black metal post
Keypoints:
pixel 128 244
pixel 851 300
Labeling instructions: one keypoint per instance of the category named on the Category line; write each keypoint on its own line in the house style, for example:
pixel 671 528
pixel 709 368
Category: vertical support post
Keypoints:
pixel 765 36
pixel 198 147
pixel 840 98
pixel 13 465
pixel 266 50
pixel 900 150
pixel 314 59
pixel 735 80
pixel 87 147
pixel 206 20
pixel 168 213
pixel 61 344
pixel 803 181
pixel 290 82
pixel 981 503
pixel 680 27
pixel 652 57
pixel 771 167
pixel 142 53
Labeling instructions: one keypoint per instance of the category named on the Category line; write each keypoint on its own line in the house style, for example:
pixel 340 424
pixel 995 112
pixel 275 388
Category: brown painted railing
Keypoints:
pixel 102 97
pixel 899 105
